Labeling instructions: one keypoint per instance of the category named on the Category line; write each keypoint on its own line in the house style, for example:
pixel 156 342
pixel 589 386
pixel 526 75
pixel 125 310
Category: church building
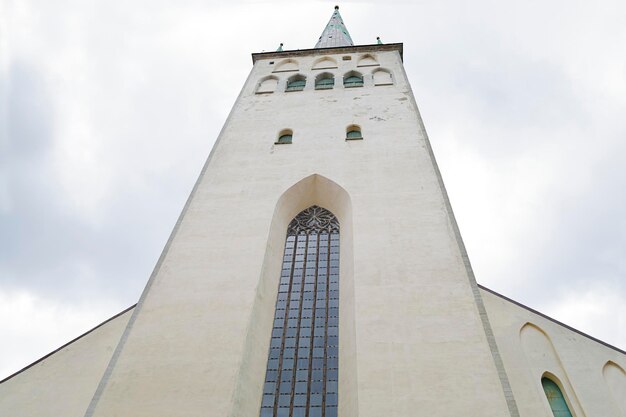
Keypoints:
pixel 317 270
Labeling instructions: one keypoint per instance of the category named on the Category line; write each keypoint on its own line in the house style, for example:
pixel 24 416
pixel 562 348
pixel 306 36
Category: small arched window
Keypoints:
pixel 324 82
pixel 353 79
pixel 558 405
pixel 284 137
pixel 296 83
pixel 353 132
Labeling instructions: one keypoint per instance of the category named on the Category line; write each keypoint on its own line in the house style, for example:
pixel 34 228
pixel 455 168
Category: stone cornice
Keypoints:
pixel 327 51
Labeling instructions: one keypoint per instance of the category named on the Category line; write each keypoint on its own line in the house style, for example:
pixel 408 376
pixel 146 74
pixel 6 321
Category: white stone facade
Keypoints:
pixel 590 373
pixel 416 338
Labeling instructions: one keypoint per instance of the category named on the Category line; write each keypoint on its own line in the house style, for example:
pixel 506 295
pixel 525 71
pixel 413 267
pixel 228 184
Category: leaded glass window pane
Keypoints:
pixel 558 405
pixel 302 366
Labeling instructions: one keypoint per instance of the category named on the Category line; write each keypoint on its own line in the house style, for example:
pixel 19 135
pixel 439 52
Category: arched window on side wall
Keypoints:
pixel 284 137
pixel 353 132
pixel 555 396
pixel 302 365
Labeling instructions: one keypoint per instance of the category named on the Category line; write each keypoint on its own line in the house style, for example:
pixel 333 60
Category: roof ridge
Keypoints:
pixel 67 344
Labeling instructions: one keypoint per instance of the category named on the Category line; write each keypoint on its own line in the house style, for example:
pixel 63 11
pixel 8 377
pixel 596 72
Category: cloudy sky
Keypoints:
pixel 108 110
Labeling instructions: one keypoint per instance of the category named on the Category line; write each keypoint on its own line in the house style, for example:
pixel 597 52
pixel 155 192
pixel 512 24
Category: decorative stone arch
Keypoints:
pixel 549 375
pixel 382 76
pixel 325 62
pixel 267 85
pixel 538 348
pixel 287 65
pixel 615 378
pixel 610 365
pixel 312 190
pixel 367 60
pixel 544 361
pixel 533 326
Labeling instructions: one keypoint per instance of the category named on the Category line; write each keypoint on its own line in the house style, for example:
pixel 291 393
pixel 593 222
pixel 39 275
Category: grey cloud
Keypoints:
pixel 30 112
pixel 156 97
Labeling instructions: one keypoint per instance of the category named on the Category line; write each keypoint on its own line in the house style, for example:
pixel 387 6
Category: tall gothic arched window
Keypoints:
pixel 558 405
pixel 302 368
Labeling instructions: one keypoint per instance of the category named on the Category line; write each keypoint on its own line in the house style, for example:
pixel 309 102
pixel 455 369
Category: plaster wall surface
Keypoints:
pixel 533 346
pixel 411 338
pixel 63 383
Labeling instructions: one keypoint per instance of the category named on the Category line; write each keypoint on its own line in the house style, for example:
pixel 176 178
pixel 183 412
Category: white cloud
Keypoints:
pixel 595 311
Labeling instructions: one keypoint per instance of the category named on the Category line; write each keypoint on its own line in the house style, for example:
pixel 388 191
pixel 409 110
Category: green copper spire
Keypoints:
pixel 335 34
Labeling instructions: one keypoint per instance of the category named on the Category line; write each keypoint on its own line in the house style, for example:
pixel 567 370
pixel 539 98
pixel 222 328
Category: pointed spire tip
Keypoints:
pixel 335 34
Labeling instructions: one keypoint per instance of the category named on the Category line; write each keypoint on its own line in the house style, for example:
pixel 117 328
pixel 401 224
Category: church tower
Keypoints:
pixel 316 269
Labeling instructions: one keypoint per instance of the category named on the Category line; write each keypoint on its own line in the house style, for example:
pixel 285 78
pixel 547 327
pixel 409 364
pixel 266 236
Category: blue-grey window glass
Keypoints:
pixel 287 138
pixel 296 85
pixel 354 133
pixel 353 81
pixel 303 362
pixel 325 83
pixel 558 405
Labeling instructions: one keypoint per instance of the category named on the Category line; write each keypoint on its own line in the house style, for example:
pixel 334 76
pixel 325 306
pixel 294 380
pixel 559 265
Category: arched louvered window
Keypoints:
pixel 353 80
pixel 555 398
pixel 296 84
pixel 325 82
pixel 302 368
